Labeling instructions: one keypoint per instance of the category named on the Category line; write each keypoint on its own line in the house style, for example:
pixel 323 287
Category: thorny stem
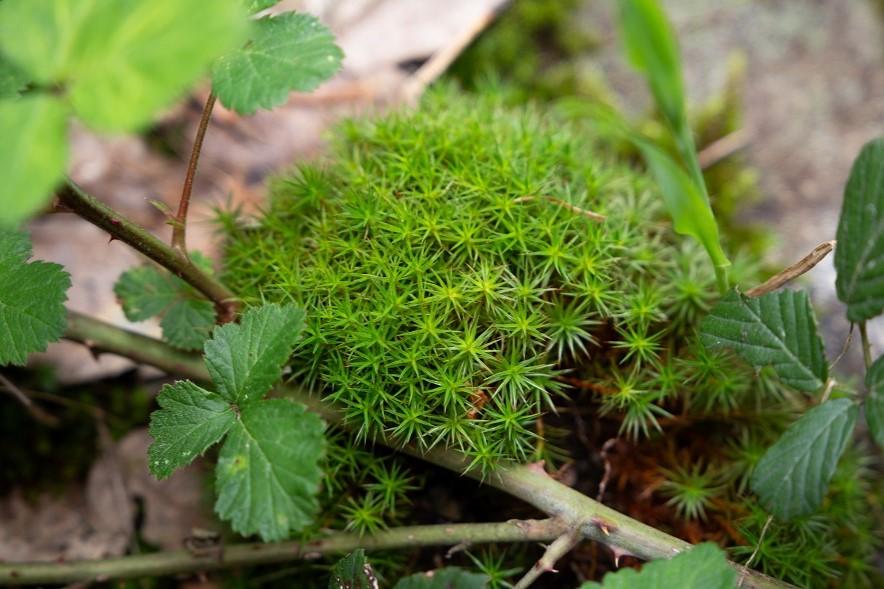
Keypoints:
pixel 179 227
pixel 867 345
pixel 184 561
pixel 84 205
pixel 553 553
pixel 530 483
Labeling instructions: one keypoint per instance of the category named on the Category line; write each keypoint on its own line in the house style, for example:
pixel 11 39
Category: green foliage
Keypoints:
pixel 859 257
pixel 12 79
pixel 874 405
pixel 284 53
pixel 445 303
pixel 792 477
pixel 691 489
pixel 32 300
pixel 186 317
pixel 353 572
pixel 777 329
pixel 268 472
pixel 33 154
pixel 447 578
pixel 702 567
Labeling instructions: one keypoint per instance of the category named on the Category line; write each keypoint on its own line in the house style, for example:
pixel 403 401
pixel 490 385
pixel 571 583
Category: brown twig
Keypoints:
pixel 722 148
pixel 599 218
pixel 179 226
pixel 35 410
pixel 793 271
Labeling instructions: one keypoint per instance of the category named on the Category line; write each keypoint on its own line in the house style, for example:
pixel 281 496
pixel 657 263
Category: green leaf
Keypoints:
pixel 702 567
pixel 245 359
pixel 32 297
pixel 859 257
pixel 268 473
pixel 254 6
pixel 792 476
pixel 285 53
pixel 353 572
pixel 147 291
pixel 119 60
pixel 447 578
pixel 874 406
pixel 652 49
pixel 33 154
pixel 687 204
pixel 12 79
pixel 190 420
pixel 777 329
pixel 188 324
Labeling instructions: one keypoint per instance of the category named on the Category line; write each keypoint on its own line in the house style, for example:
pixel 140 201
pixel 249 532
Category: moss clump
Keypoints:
pixel 452 272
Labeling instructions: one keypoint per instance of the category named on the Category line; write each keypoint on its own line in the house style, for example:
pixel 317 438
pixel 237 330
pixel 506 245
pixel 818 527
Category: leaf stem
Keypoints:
pixel 179 227
pixel 527 482
pixel 184 561
pixel 84 205
pixel 867 345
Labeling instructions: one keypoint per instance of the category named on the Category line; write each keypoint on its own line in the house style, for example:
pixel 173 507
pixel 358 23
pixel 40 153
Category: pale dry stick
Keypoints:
pixel 755 552
pixel 722 148
pixel 573 208
pixel 844 348
pixel 606 477
pixel 553 553
pixel 793 271
pixel 434 67
pixel 830 386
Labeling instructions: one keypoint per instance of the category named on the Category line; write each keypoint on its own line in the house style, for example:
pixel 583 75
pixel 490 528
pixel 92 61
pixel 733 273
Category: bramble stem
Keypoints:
pixel 530 483
pixel 84 205
pixel 555 551
pixel 867 345
pixel 184 561
pixel 179 227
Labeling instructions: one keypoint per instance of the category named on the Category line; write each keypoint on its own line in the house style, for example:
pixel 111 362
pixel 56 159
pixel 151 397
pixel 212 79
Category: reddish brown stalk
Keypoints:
pixel 179 227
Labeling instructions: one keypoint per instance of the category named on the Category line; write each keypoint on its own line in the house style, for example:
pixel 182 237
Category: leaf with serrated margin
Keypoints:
pixel 702 567
pixel 254 6
pixel 447 578
pixel 859 257
pixel 245 359
pixel 188 323
pixel 33 154
pixel 874 406
pixel 792 477
pixel 268 473
pixel 353 572
pixel 190 420
pixel 145 292
pixel 12 79
pixel 286 53
pixel 119 61
pixel 32 297
pixel 777 329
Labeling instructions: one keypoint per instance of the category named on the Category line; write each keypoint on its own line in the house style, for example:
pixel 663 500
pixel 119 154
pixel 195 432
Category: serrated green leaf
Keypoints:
pixel 191 419
pixel 254 6
pixel 353 572
pixel 12 79
pixel 859 257
pixel 245 359
pixel 777 329
pixel 188 324
pixel 119 60
pixel 268 473
pixel 447 578
pixel 874 405
pixel 702 567
pixel 145 292
pixel 33 154
pixel 285 53
pixel 32 296
pixel 792 476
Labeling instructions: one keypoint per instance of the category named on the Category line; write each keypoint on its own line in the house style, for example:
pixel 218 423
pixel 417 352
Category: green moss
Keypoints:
pixel 451 274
